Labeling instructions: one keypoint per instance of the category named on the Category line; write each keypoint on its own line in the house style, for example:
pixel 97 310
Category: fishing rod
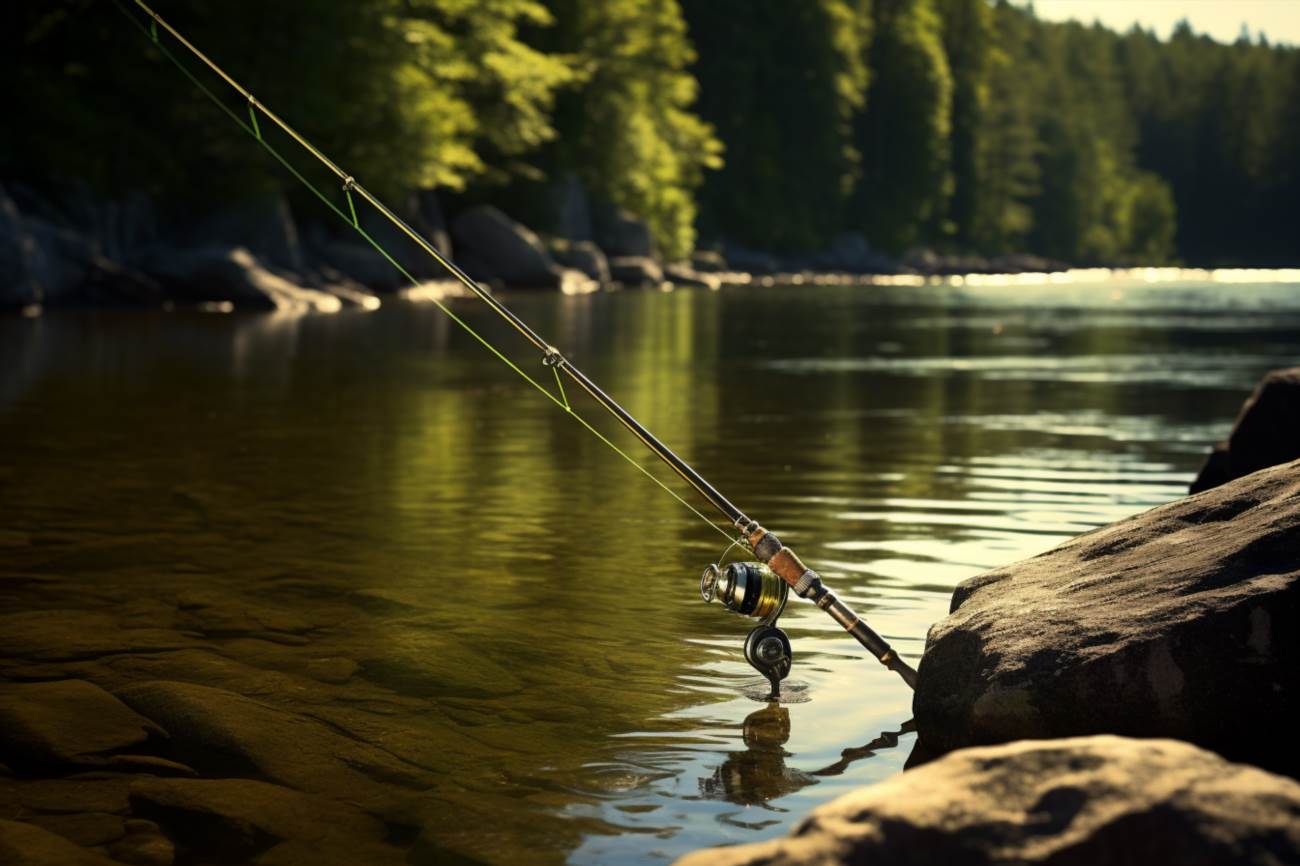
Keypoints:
pixel 753 589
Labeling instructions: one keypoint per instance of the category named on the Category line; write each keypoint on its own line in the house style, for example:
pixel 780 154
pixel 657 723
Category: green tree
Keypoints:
pixel 628 129
pixel 781 83
pixel 904 132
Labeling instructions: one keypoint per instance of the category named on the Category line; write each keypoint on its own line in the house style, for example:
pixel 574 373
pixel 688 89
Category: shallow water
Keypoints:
pixel 901 438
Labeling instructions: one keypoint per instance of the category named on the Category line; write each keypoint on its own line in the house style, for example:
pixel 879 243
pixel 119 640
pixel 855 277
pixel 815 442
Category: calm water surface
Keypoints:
pixel 901 438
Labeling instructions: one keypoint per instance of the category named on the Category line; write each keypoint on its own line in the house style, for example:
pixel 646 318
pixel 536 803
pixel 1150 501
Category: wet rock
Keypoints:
pixel 143 845
pixel 245 818
pixel 216 730
pixel 70 796
pixel 420 211
pixel 65 635
pixel 28 845
pixel 1266 433
pixel 583 256
pixel 622 234
pixel 494 247
pixel 1179 622
pixel 636 272
pixel 66 722
pixel 222 274
pixel 86 830
pixel 1074 801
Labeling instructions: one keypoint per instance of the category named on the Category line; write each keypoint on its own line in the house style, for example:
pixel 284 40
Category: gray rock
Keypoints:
pixel 143 847
pixel 361 262
pixel 28 845
pixel 623 234
pixel 583 256
pixel 1075 801
pixel 636 272
pixel 1178 622
pixel 494 247
pixel 709 262
pixel 420 211
pixel 264 226
pixel 1267 432
pixel 218 274
pixel 66 722
pixel 743 258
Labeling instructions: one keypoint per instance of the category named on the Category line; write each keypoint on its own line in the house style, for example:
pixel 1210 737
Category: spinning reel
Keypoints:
pixel 752 589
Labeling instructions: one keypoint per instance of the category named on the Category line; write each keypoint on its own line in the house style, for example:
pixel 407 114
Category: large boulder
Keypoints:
pixel 220 275
pixel 420 211
pixel 621 233
pixel 583 256
pixel 1267 432
pixel 263 225
pixel 1178 622
pixel 1075 801
pixel 494 247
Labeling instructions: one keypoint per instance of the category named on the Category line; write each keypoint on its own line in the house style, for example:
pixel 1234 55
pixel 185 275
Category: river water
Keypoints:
pixel 901 438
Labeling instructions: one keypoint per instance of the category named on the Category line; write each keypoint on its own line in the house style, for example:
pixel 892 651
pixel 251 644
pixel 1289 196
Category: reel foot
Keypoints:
pixel 768 650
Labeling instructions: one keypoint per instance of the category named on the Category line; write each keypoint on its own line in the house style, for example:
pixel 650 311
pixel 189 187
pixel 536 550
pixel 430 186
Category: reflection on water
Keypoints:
pixel 373 487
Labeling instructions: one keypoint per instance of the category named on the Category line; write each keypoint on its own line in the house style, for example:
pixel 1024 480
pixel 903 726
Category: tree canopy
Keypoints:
pixel 959 125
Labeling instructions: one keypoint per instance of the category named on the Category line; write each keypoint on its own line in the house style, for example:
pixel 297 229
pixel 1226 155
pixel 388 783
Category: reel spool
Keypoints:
pixel 752 589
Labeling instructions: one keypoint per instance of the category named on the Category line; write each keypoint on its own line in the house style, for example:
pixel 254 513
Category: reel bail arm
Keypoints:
pixel 806 583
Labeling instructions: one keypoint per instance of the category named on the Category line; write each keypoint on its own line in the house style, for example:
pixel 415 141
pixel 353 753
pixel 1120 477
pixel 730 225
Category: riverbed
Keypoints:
pixel 383 494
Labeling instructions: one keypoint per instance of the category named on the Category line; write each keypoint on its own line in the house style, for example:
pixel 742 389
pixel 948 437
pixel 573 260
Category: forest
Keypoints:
pixel 950 125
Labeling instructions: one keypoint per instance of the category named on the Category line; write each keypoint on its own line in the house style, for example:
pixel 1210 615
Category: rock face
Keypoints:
pixel 1178 622
pixel 583 256
pixel 1267 432
pixel 1074 801
pixel 495 247
pixel 620 233
pixel 264 226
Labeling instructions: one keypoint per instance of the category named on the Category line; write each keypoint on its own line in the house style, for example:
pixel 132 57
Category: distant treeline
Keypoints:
pixel 960 125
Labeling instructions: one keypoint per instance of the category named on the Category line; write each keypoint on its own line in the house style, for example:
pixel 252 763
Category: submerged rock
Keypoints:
pixel 28 845
pixel 68 722
pixel 1266 433
pixel 1179 622
pixel 1074 801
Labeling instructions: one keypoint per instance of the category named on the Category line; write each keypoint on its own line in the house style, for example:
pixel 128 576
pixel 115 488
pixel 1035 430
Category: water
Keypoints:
pixel 389 491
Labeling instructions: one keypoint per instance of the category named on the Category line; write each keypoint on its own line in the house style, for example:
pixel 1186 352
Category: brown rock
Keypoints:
pixel 248 817
pixel 216 729
pixel 28 845
pixel 1267 432
pixel 87 830
pixel 66 722
pixel 1178 622
pixel 1088 800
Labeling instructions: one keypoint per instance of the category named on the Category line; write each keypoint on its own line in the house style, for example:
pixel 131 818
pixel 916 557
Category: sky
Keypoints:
pixel 1279 20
